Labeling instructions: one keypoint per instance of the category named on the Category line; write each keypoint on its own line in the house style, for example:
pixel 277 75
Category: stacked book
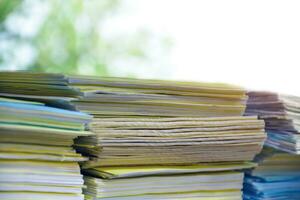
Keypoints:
pixel 165 139
pixel 37 160
pixel 282 117
pixel 276 177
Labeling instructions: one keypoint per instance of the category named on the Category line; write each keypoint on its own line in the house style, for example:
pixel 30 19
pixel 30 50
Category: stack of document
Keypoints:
pixel 281 114
pixel 136 97
pixel 211 181
pixel 37 160
pixel 197 149
pixel 165 139
pixel 52 89
pixel 276 177
pixel 152 139
pixel 172 141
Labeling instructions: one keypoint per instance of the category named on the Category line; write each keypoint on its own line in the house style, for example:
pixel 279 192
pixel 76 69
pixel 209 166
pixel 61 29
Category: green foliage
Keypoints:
pixel 6 7
pixel 70 38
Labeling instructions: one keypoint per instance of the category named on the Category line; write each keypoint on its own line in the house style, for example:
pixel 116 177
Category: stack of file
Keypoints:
pixel 276 177
pixel 37 160
pixel 52 89
pixel 172 141
pixel 135 97
pixel 281 114
pixel 153 139
pixel 165 139
pixel 214 181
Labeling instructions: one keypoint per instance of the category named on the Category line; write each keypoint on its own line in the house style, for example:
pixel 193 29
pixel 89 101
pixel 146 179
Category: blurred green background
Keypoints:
pixel 71 37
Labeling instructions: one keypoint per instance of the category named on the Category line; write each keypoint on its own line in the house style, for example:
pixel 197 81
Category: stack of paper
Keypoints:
pixel 37 160
pixel 151 141
pixel 276 177
pixel 166 182
pixel 165 139
pixel 281 114
pixel 134 97
pixel 52 89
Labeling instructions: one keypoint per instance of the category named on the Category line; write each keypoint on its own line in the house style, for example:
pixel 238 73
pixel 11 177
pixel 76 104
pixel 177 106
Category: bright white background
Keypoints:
pixel 254 43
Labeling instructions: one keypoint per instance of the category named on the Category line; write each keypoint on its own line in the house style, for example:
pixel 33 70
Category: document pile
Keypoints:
pixel 52 89
pixel 215 181
pixel 276 177
pixel 165 139
pixel 138 97
pixel 282 117
pixel 37 160
pixel 169 141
